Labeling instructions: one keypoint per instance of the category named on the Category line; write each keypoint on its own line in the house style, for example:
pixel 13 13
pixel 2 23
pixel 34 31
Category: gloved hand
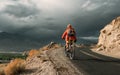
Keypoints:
pixel 63 38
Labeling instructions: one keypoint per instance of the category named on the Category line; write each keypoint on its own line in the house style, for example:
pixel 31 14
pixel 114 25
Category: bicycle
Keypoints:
pixel 70 51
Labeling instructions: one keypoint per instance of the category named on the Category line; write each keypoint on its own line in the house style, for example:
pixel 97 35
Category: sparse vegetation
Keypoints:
pixel 9 56
pixel 18 61
pixel 15 67
pixel 33 52
pixel 2 72
pixel 2 66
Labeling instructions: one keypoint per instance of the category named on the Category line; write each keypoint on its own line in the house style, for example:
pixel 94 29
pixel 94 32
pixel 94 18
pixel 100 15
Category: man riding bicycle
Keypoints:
pixel 69 35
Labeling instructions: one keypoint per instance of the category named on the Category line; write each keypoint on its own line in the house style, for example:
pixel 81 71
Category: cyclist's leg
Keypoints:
pixel 67 42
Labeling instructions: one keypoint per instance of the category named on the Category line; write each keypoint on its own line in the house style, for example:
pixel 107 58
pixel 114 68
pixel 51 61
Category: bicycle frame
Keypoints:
pixel 71 49
pixel 70 44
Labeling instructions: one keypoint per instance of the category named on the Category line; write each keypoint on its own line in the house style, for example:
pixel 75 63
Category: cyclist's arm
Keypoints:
pixel 64 34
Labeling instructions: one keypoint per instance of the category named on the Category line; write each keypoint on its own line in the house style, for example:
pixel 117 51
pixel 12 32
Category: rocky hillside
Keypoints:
pixel 109 38
pixel 49 61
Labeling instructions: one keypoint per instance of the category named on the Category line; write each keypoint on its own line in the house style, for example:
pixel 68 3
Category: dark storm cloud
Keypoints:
pixel 50 19
pixel 20 10
pixel 6 25
pixel 93 21
pixel 47 19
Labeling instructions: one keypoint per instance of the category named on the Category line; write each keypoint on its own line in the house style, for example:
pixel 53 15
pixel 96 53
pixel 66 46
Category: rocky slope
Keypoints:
pixel 109 39
pixel 51 61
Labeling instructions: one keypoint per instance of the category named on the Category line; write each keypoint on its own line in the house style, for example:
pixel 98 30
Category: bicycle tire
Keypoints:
pixel 65 52
pixel 72 53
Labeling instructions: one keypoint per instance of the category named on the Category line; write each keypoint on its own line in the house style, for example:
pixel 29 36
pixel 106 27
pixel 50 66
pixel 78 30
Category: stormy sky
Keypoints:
pixel 47 19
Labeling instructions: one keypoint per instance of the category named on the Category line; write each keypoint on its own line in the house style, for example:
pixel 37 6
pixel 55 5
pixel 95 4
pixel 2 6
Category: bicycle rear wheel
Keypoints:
pixel 72 53
pixel 66 53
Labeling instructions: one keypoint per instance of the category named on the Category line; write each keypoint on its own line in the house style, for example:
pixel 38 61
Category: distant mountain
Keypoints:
pixel 17 42
pixel 87 41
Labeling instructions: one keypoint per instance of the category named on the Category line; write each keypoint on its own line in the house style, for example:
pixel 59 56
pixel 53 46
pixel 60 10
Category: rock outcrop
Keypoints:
pixel 109 39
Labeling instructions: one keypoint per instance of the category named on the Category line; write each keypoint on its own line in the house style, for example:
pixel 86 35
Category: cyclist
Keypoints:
pixel 69 35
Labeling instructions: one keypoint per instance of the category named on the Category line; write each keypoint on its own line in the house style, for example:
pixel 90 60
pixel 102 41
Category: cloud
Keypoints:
pixel 89 38
pixel 48 19
pixel 21 10
pixel 86 4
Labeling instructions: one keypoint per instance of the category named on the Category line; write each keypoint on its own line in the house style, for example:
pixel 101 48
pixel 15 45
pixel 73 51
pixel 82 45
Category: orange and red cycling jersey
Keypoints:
pixel 66 36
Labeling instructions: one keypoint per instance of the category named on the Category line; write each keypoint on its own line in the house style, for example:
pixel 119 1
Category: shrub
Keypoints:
pixel 33 52
pixel 15 66
pixel 2 72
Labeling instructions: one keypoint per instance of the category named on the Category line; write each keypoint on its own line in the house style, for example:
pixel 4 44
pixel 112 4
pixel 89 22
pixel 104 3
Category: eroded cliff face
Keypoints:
pixel 109 38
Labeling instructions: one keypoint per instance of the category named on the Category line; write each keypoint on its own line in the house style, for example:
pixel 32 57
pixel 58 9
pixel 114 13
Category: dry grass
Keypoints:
pixel 2 66
pixel 2 72
pixel 33 52
pixel 14 67
pixel 18 65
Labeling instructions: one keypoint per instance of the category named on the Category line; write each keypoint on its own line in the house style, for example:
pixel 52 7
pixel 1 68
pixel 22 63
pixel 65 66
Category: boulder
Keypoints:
pixel 109 38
